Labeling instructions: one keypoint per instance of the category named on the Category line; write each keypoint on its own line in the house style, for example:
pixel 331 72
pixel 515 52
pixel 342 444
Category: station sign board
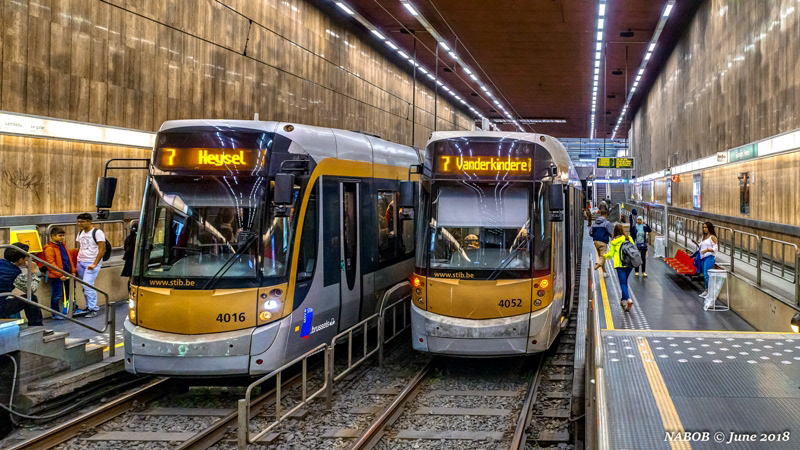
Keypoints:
pixel 743 153
pixel 615 163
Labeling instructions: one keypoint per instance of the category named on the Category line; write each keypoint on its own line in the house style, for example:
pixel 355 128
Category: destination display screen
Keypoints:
pixel 615 163
pixel 207 158
pixel 484 165
pixel 211 151
pixel 495 158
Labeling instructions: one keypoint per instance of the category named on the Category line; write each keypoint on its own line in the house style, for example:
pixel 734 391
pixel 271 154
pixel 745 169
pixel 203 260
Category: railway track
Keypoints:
pixel 215 423
pixel 454 403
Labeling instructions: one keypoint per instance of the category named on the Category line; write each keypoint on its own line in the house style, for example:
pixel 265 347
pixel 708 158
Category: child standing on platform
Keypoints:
pixel 57 254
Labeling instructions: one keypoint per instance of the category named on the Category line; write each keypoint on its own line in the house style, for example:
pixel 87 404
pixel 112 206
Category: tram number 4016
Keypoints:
pixel 231 317
pixel 511 303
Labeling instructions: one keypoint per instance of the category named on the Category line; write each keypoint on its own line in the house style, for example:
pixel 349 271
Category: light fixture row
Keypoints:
pixel 451 51
pixel 650 48
pixel 598 55
pixel 431 74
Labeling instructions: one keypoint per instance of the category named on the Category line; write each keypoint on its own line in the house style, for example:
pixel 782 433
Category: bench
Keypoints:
pixel 682 263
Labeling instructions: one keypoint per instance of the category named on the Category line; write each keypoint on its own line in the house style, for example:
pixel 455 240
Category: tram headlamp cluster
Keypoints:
pixel 132 304
pixel 272 304
pixel 796 323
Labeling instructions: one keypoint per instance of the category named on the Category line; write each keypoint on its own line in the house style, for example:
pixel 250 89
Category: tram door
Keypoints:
pixel 350 249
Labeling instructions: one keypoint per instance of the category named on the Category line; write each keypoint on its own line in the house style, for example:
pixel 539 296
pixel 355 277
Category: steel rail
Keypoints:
pixel 217 430
pixel 373 433
pixel 519 439
pixel 72 428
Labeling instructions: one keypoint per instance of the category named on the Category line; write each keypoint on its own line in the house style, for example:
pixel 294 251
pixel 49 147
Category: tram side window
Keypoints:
pixel 387 225
pixel 307 258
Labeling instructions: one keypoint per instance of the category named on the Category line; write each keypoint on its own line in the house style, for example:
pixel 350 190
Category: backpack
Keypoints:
pixel 630 255
pixel 107 254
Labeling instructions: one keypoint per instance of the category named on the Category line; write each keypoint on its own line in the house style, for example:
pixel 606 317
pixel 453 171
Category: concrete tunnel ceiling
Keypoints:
pixel 536 56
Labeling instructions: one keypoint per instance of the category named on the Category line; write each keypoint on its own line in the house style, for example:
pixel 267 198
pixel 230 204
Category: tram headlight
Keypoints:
pixel 270 304
pixel 132 304
pixel 796 323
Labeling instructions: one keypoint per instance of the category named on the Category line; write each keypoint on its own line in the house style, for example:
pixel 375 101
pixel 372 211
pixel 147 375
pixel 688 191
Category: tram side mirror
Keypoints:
pixel 407 189
pixel 284 190
pixel 556 203
pixel 106 187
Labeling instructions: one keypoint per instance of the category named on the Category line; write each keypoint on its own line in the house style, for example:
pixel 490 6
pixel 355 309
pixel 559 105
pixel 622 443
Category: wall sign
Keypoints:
pixel 697 187
pixel 743 153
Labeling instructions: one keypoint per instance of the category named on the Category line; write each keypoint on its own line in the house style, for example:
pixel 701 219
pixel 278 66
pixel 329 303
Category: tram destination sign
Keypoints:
pixel 239 159
pixel 483 165
pixel 615 163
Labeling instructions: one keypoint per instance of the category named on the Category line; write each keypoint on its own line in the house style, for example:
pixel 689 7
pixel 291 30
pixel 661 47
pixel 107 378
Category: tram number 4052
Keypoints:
pixel 231 317
pixel 511 303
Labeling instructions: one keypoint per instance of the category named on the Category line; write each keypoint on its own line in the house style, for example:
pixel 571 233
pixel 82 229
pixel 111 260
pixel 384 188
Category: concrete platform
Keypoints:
pixel 672 368
pixel 78 332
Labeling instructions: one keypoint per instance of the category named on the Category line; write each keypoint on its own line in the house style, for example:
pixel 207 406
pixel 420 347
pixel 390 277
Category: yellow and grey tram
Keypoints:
pixel 499 233
pixel 260 240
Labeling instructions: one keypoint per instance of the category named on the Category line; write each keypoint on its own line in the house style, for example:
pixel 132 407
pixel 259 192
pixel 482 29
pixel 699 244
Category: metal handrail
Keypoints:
pixel 754 250
pixel 600 406
pixel 110 319
pixel 243 405
pixel 67 224
pixel 783 244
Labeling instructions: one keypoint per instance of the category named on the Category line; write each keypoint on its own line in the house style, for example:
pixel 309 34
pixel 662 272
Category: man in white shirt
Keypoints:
pixel 91 248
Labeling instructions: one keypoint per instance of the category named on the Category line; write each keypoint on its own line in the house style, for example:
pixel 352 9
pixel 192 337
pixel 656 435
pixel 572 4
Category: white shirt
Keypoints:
pixel 89 248
pixel 706 245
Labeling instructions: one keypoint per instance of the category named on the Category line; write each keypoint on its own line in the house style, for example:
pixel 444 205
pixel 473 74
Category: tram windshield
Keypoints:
pixel 210 227
pixel 481 227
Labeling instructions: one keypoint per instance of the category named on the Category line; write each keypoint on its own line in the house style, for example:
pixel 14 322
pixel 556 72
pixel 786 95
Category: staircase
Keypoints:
pixel 51 365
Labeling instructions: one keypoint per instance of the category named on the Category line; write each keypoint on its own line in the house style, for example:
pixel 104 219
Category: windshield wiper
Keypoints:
pixel 229 263
pixel 513 255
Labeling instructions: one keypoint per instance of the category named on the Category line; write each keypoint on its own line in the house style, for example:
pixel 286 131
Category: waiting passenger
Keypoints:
pixel 632 219
pixel 639 233
pixel 129 246
pixel 623 272
pixel 91 248
pixel 11 277
pixel 57 254
pixel 601 234
pixel 708 253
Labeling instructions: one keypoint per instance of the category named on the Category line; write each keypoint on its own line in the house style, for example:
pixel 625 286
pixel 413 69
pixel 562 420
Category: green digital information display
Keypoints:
pixel 615 163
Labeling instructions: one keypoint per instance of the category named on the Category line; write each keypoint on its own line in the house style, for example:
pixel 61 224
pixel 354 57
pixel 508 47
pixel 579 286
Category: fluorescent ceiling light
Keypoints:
pixel 345 8
pixel 379 35
pixel 444 46
pixel 647 56
pixel 484 89
pixel 599 46
pixel 453 55
pixel 430 75
pixel 466 69
pixel 403 54
pixel 602 11
pixel 597 63
pixel 410 9
pixel 391 46
pixel 473 77
pixel 422 69
pixel 599 35
pixel 597 55
pixel 667 10
pixel 597 71
pixel 641 71
pixel 638 77
pixel 600 23
pixel 439 83
pixel 652 47
pixel 596 77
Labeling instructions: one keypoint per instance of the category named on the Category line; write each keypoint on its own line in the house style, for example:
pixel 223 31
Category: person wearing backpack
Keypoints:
pixel 625 256
pixel 639 232
pixel 92 248
pixel 601 232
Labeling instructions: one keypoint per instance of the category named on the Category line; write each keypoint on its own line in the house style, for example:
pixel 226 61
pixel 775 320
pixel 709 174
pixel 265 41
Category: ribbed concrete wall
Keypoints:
pixel 733 78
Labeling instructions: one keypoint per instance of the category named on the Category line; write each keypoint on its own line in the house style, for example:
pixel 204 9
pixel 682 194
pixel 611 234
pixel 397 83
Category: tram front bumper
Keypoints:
pixel 214 354
pixel 505 336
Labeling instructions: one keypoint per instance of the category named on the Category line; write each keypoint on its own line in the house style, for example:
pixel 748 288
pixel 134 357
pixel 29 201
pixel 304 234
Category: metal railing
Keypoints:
pixel 110 323
pixel 125 228
pixel 598 403
pixel 243 432
pixel 749 248
pixel 780 259
pixel 330 376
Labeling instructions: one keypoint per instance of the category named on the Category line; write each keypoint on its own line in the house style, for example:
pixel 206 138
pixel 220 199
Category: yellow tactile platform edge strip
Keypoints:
pixel 669 415
pixel 606 306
